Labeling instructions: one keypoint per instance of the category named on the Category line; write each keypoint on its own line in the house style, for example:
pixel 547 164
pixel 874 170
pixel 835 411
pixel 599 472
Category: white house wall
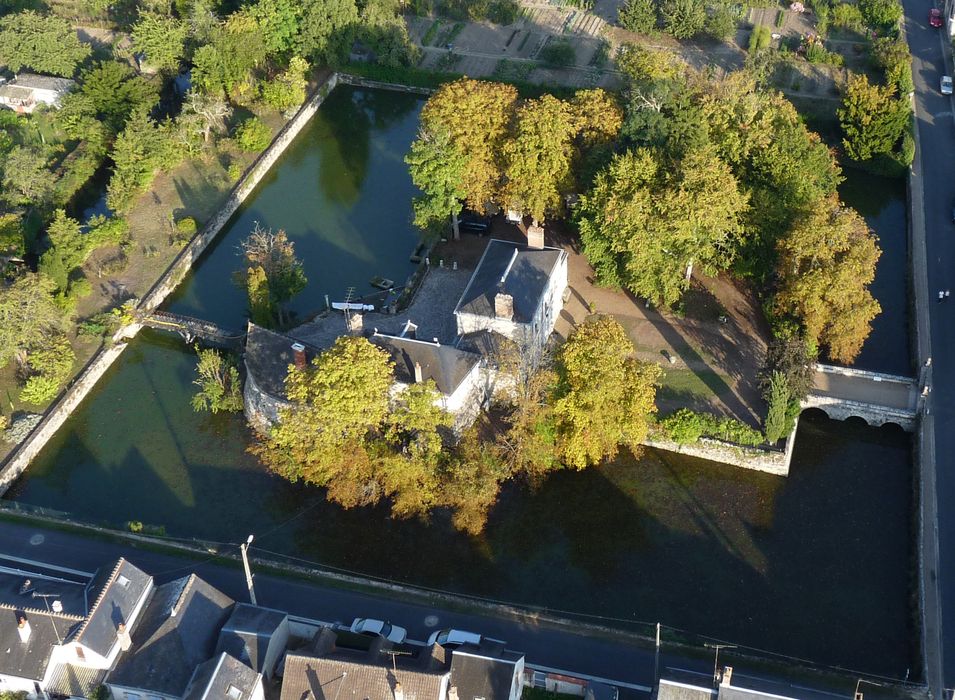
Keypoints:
pixel 15 684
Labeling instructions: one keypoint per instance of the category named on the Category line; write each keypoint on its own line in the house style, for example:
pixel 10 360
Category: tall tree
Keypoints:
pixel 274 254
pixel 111 92
pixel 683 18
pixel 140 151
pixel 638 16
pixel 44 43
pixel 326 28
pixel 161 38
pixel 872 117
pixel 438 169
pixel 26 178
pixel 827 262
pixel 205 114
pixel 476 115
pixel 539 157
pixel 220 388
pixel 278 21
pixel 605 395
pixel 28 316
pixel 645 228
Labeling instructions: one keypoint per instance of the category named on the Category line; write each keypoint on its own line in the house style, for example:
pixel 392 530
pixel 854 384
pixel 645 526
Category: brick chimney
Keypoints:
pixel 298 354
pixel 399 692
pixel 535 236
pixel 453 693
pixel 504 306
pixel 23 628
pixel 727 678
pixel 122 634
pixel 355 322
pixel 418 377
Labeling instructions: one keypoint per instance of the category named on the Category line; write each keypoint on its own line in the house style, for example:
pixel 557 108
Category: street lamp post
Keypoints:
pixel 716 659
pixel 248 571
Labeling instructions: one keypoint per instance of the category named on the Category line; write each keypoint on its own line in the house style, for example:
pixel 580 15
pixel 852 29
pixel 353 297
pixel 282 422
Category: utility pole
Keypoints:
pixel 656 659
pixel 248 572
pixel 716 660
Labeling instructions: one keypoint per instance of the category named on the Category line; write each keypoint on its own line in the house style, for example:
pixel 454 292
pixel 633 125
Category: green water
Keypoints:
pixel 815 565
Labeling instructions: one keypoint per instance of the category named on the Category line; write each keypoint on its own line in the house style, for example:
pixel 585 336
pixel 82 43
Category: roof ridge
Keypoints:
pixel 40 611
pixel 99 598
pixel 174 610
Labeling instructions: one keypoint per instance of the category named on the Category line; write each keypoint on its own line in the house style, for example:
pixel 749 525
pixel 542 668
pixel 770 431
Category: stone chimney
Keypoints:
pixel 504 306
pixel 727 678
pixel 122 634
pixel 399 692
pixel 535 236
pixel 418 377
pixel 355 322
pixel 453 693
pixel 23 628
pixel 298 354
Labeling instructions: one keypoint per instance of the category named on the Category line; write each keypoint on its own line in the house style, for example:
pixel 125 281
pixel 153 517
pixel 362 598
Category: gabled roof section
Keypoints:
pixel 676 690
pixel 42 82
pixel 445 364
pixel 222 678
pixel 30 659
pixel 115 603
pixel 175 633
pixel 247 633
pixel 268 355
pixel 328 678
pixel 476 676
pixel 513 269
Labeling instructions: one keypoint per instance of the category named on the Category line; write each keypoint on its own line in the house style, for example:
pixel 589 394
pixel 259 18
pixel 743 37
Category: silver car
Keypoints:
pixel 946 85
pixel 378 628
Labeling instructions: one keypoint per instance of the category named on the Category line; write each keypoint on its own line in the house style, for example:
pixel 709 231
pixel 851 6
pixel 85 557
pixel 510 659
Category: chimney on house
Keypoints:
pixel 504 306
pixel 453 693
pixel 399 692
pixel 355 323
pixel 727 678
pixel 23 628
pixel 418 377
pixel 298 354
pixel 122 634
pixel 535 236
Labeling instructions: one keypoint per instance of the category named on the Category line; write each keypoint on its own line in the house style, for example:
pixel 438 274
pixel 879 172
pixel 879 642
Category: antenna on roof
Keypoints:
pixel 349 295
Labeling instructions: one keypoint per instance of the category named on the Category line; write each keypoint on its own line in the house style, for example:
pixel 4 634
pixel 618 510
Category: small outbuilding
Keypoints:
pixel 28 91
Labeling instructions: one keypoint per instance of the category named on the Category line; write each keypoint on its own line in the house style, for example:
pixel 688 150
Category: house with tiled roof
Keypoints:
pixel 354 677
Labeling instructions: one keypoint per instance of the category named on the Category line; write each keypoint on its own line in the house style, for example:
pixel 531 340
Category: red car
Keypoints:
pixel 935 17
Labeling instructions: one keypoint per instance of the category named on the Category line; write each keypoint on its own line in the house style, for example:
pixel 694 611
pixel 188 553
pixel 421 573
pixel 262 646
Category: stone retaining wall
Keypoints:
pixel 55 416
pixel 358 81
pixel 864 373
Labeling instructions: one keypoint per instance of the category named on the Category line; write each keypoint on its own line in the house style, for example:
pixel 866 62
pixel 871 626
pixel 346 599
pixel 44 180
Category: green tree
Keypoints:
pixel 645 228
pixel 827 262
pixel 28 316
pixel 476 115
pixel 111 92
pixel 881 13
pixel 872 117
pixel 287 89
pixel 539 157
pixel 278 21
pixel 48 367
pixel 161 38
pixel 12 244
pixel 44 43
pixel 604 395
pixel 779 399
pixel 274 254
pixel 438 170
pixel 220 388
pixel 558 53
pixel 253 135
pixel 683 19
pixel 26 178
pixel 140 151
pixel 415 421
pixel 639 16
pixel 789 355
pixel 261 307
pixel 225 64
pixel 326 28
pixel 892 55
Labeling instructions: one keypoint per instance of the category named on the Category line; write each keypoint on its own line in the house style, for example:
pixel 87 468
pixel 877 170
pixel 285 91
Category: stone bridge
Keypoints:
pixel 193 329
pixel 878 399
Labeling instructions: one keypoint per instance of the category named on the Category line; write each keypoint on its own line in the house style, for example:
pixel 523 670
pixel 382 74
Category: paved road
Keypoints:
pixel 23 546
pixel 936 188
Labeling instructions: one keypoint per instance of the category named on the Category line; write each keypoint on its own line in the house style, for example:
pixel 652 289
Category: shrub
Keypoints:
pixel 721 24
pixel 559 53
pixel 683 18
pixel 846 16
pixel 431 33
pixel 234 172
pixel 135 526
pixel 503 12
pixel 39 389
pixel 881 14
pixel 638 16
pixel 759 38
pixel 686 426
pixel 187 227
pixel 253 135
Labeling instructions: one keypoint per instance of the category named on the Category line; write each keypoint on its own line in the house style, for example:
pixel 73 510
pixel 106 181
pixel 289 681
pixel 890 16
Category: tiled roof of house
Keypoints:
pixel 222 677
pixel 445 364
pixel 338 678
pixel 119 590
pixel 176 632
pixel 476 676
pixel 75 681
pixel 675 690
pixel 247 633
pixel 514 269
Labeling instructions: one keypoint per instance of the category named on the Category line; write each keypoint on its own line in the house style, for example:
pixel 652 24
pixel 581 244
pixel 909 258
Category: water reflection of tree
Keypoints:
pixel 349 117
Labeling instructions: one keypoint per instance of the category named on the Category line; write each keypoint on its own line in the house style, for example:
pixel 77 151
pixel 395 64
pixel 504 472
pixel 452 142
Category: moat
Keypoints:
pixel 816 565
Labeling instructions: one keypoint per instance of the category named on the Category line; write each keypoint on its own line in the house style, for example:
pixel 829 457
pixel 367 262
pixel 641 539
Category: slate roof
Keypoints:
pixel 176 632
pixel 675 690
pixel 247 632
pixel 340 678
pixel 42 82
pixel 515 269
pixel 30 660
pixel 222 678
pixel 477 676
pixel 268 355
pixel 119 591
pixel 445 364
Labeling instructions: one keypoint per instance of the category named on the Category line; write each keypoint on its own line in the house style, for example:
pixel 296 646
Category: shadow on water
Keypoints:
pixel 814 565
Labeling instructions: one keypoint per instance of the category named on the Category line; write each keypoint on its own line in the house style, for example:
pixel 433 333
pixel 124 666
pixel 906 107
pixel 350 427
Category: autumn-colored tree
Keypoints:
pixel 872 117
pixel 605 395
pixel 539 157
pixel 476 115
pixel 596 117
pixel 261 308
pixel 283 273
pixel 644 227
pixel 415 420
pixel 827 262
pixel 220 388
pixel 438 168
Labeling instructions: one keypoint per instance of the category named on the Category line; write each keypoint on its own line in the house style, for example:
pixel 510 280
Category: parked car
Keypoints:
pixel 935 17
pixel 473 222
pixel 378 628
pixel 946 85
pixel 454 638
